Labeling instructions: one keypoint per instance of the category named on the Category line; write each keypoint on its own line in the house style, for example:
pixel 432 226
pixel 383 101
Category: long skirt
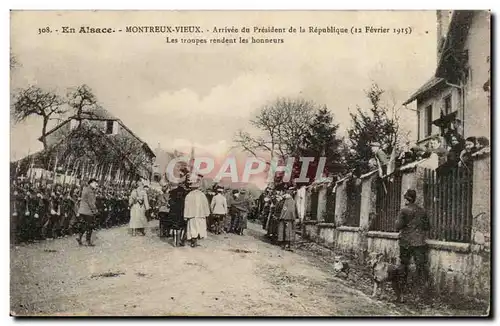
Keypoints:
pixel 286 231
pixel 196 228
pixel 138 218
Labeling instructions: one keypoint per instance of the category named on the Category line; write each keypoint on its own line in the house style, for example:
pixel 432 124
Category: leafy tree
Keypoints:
pixel 321 140
pixel 378 123
pixel 34 101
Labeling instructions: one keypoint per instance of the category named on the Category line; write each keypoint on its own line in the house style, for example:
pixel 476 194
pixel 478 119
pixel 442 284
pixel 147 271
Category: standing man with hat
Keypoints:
pixel 413 225
pixel 219 210
pixel 88 212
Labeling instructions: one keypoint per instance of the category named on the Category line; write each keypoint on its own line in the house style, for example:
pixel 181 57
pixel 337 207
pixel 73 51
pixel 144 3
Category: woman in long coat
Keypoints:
pixel 286 221
pixel 139 204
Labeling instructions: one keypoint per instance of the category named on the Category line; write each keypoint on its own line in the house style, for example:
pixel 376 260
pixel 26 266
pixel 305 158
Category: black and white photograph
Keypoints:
pixel 187 163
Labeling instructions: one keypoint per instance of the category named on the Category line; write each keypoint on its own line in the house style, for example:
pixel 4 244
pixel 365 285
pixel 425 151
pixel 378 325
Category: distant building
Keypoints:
pixel 458 93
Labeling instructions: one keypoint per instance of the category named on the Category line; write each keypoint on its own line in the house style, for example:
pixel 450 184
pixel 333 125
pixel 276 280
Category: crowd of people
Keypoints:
pixel 186 213
pixel 277 210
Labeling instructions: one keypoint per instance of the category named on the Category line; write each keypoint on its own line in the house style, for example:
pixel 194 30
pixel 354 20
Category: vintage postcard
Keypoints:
pixel 250 163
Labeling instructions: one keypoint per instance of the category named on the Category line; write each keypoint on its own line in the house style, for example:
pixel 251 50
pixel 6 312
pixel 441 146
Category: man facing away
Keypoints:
pixel 413 225
pixel 196 210
pixel 87 212
pixel 239 211
pixel 219 210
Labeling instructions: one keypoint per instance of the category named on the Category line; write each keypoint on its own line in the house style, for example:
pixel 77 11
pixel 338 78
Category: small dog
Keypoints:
pixel 383 272
pixel 341 266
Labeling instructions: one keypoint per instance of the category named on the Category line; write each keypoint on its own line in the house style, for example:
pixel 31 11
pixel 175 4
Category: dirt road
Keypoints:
pixel 229 275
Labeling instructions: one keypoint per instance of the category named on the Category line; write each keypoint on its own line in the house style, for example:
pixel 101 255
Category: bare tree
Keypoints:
pixel 82 100
pixel 282 125
pixel 35 101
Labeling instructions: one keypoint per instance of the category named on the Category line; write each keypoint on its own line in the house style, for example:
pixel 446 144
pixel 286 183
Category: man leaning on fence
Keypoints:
pixel 413 225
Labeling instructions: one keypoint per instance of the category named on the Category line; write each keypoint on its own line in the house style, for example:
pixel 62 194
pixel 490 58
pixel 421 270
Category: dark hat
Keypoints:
pixel 411 195
pixel 92 180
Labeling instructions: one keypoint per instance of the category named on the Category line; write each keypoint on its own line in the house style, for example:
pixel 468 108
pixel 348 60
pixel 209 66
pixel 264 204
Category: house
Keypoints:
pixel 458 93
pixel 109 126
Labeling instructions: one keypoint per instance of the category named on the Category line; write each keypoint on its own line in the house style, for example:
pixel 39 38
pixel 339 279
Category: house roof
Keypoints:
pixel 430 85
pixel 102 114
pixel 97 114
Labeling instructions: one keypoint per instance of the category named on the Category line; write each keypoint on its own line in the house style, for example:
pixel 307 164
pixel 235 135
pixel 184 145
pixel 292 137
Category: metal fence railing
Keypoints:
pixel 448 202
pixel 388 202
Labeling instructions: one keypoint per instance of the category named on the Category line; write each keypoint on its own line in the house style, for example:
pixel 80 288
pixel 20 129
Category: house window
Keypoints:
pixel 447 105
pixel 109 127
pixel 428 117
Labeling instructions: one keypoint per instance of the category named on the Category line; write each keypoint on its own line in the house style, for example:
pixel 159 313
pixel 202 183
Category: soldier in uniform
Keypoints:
pixel 17 211
pixel 239 209
pixel 54 213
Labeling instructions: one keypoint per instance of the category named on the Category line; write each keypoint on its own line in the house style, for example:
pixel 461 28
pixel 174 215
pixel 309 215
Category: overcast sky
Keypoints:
pixel 182 94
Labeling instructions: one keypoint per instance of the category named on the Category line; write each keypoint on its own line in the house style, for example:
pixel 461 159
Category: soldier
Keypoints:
pixel 17 210
pixel 239 208
pixel 88 212
pixel 54 213
pixel 65 212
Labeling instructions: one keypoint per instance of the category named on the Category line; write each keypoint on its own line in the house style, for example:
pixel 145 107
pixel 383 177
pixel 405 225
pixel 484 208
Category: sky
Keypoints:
pixel 177 95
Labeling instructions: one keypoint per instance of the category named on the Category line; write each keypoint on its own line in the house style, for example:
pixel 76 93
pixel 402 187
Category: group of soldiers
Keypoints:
pixel 44 210
pixel 278 212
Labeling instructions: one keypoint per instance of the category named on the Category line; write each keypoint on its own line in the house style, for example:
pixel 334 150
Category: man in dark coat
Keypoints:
pixel 175 220
pixel 239 208
pixel 413 225
pixel 88 212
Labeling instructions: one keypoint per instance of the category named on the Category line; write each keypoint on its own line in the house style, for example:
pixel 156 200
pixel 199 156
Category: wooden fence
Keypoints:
pixel 388 202
pixel 448 201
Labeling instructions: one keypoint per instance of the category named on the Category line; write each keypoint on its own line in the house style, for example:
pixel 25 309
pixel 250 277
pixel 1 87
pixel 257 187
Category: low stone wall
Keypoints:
pixel 461 269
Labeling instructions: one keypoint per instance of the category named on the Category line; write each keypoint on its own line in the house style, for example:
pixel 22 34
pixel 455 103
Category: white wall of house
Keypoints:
pixel 477 110
pixel 437 101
